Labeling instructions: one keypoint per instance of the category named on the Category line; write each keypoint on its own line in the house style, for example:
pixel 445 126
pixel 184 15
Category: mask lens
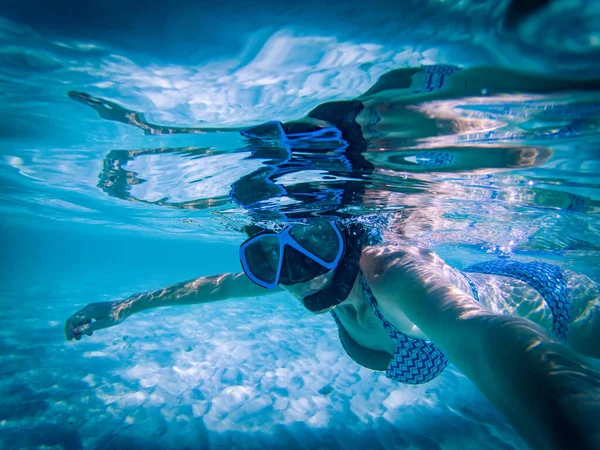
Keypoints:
pixel 262 257
pixel 298 268
pixel 319 239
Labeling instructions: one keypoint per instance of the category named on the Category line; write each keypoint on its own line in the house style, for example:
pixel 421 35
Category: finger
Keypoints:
pixel 70 326
pixel 89 327
pixel 78 331
pixel 74 320
pixel 80 322
pixel 81 319
pixel 78 334
pixel 82 330
pixel 72 323
pixel 68 334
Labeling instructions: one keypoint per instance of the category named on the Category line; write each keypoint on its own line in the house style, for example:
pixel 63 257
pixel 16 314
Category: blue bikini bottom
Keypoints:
pixel 416 361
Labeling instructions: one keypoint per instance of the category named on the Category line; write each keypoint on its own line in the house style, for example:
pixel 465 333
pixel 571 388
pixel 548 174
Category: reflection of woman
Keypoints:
pixel 519 331
pixel 387 108
pixel 412 120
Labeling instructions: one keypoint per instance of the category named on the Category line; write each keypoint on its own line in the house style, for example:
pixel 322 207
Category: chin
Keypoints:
pixel 310 292
pixel 302 290
pixel 323 311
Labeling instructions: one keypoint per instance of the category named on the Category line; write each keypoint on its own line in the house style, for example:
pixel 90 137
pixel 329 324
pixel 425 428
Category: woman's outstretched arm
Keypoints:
pixel 550 395
pixel 97 316
pixel 109 110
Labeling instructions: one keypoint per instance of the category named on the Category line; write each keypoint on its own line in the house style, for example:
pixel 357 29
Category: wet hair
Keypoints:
pixel 253 229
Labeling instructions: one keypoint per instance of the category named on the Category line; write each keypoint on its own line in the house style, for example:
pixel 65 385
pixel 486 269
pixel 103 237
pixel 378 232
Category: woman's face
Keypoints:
pixel 292 265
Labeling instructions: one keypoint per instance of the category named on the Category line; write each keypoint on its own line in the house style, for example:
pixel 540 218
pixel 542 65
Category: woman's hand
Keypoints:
pixel 96 316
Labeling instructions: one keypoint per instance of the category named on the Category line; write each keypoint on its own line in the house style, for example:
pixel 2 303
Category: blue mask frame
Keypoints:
pixel 285 238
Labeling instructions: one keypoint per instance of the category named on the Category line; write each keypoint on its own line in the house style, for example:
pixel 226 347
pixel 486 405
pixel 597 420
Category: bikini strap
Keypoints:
pixel 545 278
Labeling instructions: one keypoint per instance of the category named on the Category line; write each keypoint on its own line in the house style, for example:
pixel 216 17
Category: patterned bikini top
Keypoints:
pixel 417 361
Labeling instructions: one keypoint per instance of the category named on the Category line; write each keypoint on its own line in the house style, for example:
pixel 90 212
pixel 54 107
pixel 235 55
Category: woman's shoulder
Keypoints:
pixel 381 257
pixel 413 80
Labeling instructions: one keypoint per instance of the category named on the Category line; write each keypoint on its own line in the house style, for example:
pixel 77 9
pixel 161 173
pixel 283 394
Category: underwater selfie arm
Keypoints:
pixel 549 395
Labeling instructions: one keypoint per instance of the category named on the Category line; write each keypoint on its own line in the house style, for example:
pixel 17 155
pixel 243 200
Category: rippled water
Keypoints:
pixel 101 111
pixel 58 150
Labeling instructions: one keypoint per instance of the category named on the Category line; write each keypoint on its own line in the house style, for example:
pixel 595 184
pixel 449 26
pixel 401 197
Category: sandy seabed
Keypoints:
pixel 245 374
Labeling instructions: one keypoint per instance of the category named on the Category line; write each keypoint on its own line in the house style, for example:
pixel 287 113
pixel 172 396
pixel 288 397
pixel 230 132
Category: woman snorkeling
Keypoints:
pixel 521 332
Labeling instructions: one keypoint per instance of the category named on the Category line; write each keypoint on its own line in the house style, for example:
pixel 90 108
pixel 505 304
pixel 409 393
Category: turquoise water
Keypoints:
pixel 94 210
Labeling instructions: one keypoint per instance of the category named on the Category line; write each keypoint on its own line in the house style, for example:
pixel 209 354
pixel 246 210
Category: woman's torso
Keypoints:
pixel 498 294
